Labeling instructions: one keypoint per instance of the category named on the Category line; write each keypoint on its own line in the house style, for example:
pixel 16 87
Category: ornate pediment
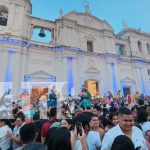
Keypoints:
pixel 40 74
pixel 128 80
pixel 88 20
pixel 92 70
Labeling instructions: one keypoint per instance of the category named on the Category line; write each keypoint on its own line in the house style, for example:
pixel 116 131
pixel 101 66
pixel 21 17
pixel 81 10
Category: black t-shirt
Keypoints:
pixel 113 109
pixel 38 126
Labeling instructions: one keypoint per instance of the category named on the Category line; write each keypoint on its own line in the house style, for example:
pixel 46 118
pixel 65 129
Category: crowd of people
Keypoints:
pixel 82 123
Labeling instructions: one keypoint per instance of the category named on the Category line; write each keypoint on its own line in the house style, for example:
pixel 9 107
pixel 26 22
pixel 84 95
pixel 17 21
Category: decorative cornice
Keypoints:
pixel 134 31
pixel 78 51
pixel 14 41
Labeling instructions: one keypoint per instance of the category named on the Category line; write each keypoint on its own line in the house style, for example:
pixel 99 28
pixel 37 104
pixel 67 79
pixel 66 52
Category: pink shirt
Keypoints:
pixel 148 144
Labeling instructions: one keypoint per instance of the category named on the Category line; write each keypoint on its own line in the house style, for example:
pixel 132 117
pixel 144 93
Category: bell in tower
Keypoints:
pixel 42 34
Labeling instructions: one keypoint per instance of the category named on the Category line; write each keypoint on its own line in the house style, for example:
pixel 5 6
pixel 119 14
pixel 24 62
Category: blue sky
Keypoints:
pixel 136 13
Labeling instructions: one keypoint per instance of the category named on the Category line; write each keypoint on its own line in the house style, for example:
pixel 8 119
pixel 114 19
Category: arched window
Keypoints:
pixel 120 48
pixel 140 46
pixel 89 46
pixel 3 15
pixel 148 48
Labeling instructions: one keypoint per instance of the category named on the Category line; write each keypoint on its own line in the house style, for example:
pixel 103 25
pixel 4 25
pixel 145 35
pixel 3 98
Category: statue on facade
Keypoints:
pixel 125 26
pixel 87 10
pixel 86 6
pixel 60 13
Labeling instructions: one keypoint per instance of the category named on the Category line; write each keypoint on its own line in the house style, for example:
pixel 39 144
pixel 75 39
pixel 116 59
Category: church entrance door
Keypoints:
pixel 93 87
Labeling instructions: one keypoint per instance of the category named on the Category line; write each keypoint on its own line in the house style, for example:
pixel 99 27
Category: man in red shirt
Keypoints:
pixel 51 119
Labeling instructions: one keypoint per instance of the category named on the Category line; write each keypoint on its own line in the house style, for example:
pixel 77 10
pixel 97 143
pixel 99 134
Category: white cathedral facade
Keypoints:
pixel 83 51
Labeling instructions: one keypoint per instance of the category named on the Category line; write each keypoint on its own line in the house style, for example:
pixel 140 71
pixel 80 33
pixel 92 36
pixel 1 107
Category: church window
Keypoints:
pixel 148 71
pixel 3 15
pixel 148 48
pixel 140 46
pixel 89 46
pixel 120 49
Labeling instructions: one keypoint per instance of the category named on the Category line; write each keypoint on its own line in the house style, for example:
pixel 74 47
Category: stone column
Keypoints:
pixel 132 45
pixel 102 87
pixel 31 31
pixel 104 78
pixel 109 77
pixel 76 85
pixel 113 48
pixel 8 76
pixel 143 80
pixel 59 68
pixel 9 70
pixel 11 15
pixel 146 80
pixel 3 59
pixel 19 66
pixel 16 74
pixel 140 80
pixel 64 75
pixel 108 44
pixel 70 75
pixel 22 19
pixel 64 71
pixel 112 80
pixel 23 66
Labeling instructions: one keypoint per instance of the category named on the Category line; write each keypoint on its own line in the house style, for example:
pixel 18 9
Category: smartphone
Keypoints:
pixel 138 148
pixel 79 128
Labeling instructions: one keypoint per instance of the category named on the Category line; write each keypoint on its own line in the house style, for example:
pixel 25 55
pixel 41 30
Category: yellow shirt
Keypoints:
pixel 136 96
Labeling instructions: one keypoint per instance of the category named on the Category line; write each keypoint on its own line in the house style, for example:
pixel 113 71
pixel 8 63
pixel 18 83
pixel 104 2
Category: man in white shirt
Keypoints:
pixel 15 135
pixel 142 119
pixel 145 126
pixel 4 139
pixel 125 127
pixel 93 140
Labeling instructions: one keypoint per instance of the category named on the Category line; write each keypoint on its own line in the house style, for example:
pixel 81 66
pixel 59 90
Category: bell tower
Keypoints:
pixel 14 17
